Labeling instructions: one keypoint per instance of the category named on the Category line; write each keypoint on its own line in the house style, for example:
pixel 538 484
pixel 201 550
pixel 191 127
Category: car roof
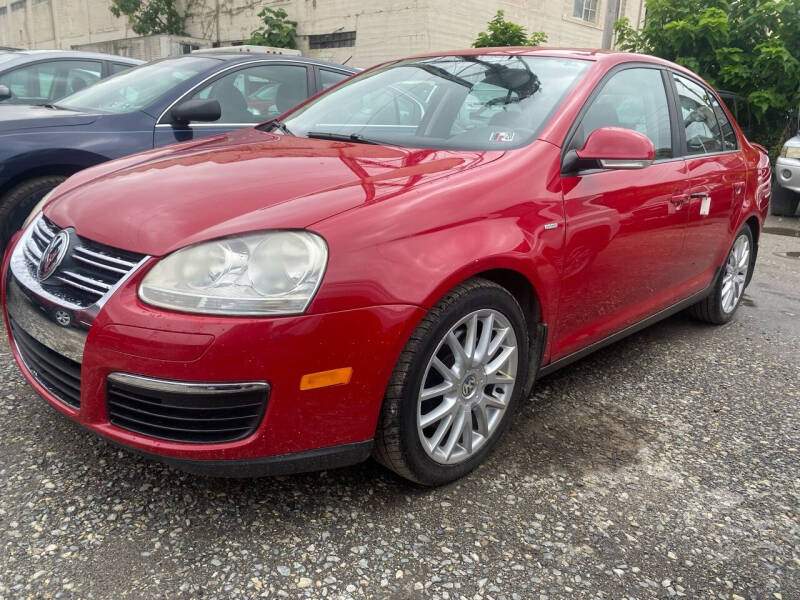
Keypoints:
pixel 247 57
pixel 39 54
pixel 592 54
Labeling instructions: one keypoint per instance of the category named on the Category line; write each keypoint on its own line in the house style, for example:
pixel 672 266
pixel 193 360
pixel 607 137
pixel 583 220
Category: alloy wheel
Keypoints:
pixel 735 275
pixel 467 386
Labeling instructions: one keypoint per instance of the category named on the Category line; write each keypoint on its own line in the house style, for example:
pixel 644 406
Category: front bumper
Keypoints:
pixel 787 173
pixel 299 430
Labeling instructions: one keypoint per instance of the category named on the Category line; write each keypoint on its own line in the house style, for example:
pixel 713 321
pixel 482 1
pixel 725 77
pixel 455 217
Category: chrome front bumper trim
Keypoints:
pixel 42 324
pixel 184 387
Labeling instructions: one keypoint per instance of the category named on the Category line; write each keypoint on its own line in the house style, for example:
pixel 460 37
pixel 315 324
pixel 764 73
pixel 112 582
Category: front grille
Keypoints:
pixel 90 270
pixel 198 418
pixel 60 375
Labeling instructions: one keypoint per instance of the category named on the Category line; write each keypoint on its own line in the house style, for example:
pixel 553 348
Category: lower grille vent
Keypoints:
pixel 59 374
pixel 192 413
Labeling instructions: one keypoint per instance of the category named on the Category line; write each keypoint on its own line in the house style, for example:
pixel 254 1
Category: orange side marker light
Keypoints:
pixel 322 379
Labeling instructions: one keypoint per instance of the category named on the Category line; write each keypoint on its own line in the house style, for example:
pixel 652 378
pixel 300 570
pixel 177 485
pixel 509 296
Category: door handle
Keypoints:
pixel 679 200
pixel 701 195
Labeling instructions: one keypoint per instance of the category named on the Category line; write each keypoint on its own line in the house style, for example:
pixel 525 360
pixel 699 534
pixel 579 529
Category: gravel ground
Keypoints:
pixel 665 465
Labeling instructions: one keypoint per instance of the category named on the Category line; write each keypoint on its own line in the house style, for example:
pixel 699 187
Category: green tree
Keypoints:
pixel 751 47
pixel 505 33
pixel 278 31
pixel 148 17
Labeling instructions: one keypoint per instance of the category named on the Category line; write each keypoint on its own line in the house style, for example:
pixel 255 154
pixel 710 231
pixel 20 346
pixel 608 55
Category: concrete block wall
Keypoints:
pixel 385 29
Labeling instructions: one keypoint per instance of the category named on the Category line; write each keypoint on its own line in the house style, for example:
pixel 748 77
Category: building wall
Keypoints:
pixel 384 29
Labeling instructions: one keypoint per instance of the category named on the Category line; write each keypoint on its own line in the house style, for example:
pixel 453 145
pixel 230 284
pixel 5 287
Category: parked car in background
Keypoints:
pixel 46 76
pixel 786 189
pixel 388 267
pixel 166 101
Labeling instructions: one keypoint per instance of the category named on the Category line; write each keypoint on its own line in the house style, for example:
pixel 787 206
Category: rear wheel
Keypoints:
pixel 721 304
pixel 456 385
pixel 783 202
pixel 18 202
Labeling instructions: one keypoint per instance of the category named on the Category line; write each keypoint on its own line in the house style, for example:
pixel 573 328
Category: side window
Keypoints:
pixel 633 99
pixel 255 94
pixel 329 78
pixel 728 134
pixel 78 75
pixel 392 106
pixel 703 132
pixel 51 81
pixel 119 68
pixel 33 83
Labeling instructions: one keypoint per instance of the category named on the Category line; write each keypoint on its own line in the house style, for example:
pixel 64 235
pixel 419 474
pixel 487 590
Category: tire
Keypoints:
pixel 717 308
pixel 18 202
pixel 486 405
pixel 783 202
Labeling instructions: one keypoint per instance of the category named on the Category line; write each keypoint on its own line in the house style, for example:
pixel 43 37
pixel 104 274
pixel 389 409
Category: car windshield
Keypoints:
pixel 485 102
pixel 136 88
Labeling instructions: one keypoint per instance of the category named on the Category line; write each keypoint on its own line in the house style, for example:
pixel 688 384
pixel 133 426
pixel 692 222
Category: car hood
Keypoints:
pixel 19 117
pixel 158 201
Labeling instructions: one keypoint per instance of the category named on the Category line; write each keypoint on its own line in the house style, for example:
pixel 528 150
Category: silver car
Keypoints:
pixel 786 194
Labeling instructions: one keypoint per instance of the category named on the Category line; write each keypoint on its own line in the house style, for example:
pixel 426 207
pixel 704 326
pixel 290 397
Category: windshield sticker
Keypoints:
pixel 501 136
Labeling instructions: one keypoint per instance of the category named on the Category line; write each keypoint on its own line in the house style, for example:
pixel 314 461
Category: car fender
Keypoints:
pixel 503 216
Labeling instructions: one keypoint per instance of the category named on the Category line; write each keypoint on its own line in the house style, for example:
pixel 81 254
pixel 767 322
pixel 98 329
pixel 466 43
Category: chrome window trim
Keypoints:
pixel 186 387
pixel 220 72
pixel 210 125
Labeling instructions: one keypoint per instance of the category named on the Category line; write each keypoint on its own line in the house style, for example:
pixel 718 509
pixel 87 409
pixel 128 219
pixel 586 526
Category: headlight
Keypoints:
pixel 37 209
pixel 790 152
pixel 268 273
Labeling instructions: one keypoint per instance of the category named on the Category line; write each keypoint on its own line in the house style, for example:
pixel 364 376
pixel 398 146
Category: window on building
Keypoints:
pixel 339 39
pixel 3 10
pixel 19 5
pixel 586 10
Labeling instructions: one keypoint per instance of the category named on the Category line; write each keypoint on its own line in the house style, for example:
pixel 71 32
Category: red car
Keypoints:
pixel 388 268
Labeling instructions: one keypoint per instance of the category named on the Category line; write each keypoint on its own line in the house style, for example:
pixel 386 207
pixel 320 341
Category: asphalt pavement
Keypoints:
pixel 666 465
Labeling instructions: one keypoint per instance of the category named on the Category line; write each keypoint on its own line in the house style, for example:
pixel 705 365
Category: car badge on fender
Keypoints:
pixel 53 255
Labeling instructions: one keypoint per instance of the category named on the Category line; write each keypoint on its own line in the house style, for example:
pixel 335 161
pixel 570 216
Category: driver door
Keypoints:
pixel 247 96
pixel 623 245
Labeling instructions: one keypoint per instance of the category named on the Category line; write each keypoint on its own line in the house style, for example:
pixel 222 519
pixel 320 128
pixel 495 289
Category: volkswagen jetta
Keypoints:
pixel 388 268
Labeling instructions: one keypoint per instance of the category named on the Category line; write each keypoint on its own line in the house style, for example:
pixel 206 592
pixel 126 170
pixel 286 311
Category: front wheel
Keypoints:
pixel 455 386
pixel 721 304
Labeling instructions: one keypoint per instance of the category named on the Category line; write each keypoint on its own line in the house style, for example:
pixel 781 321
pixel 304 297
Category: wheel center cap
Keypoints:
pixel 469 386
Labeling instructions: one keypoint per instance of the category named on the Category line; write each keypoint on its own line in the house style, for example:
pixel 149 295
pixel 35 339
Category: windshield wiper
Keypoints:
pixel 277 124
pixel 342 137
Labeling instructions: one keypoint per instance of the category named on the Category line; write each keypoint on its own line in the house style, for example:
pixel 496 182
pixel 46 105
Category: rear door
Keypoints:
pixel 717 176
pixel 248 95
pixel 623 258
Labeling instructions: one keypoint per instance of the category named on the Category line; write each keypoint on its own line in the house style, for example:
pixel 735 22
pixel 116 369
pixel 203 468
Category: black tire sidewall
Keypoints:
pixel 425 469
pixel 19 202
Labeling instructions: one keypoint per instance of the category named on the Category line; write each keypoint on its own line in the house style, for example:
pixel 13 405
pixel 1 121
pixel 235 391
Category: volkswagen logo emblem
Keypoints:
pixel 53 255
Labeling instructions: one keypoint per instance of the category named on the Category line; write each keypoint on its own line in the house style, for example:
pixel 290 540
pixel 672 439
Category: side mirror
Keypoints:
pixel 196 110
pixel 616 148
pixel 5 93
